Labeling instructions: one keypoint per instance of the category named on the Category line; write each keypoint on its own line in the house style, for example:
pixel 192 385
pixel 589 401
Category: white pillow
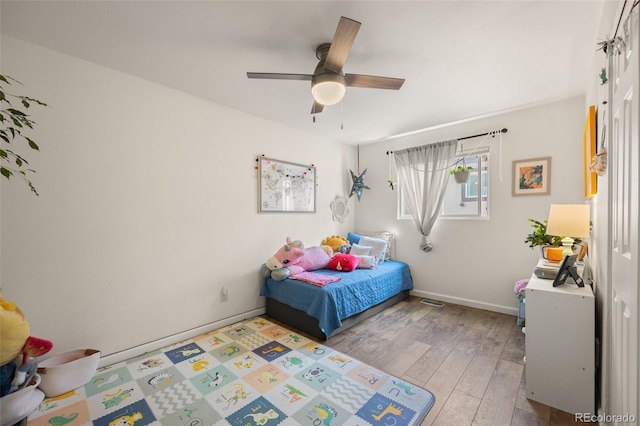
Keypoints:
pixel 358 250
pixel 366 262
pixel 385 235
pixel 378 247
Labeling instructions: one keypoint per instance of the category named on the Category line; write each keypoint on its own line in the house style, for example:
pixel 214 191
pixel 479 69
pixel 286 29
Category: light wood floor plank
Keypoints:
pixel 476 379
pixel 524 418
pixel 499 400
pixel 444 380
pixel 458 410
pixel 399 365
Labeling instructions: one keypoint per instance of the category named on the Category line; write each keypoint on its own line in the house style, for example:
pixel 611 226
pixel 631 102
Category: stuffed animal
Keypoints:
pixel 16 346
pixel 520 286
pixel 343 262
pixel 334 241
pixel 293 258
pixel 344 248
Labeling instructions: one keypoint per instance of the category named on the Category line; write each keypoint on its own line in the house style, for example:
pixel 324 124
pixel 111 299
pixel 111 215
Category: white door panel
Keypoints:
pixel 625 173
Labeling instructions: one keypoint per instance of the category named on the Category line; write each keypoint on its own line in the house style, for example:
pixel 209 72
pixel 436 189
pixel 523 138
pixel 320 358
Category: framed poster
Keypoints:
pixel 589 141
pixel 285 187
pixel 532 176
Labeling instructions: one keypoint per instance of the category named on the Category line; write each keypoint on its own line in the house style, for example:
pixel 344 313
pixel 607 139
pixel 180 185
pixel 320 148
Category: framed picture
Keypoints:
pixel 285 187
pixel 589 141
pixel 532 176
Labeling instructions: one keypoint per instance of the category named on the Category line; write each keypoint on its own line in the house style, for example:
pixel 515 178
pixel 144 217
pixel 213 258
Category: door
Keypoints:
pixel 624 162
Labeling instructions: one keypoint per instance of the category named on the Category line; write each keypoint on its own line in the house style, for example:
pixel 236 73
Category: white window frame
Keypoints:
pixel 403 214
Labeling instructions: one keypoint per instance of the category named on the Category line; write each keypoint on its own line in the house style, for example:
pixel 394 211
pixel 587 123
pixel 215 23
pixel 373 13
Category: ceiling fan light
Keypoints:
pixel 328 89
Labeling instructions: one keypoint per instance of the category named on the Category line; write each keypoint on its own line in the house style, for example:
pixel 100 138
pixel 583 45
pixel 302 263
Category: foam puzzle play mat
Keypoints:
pixel 255 372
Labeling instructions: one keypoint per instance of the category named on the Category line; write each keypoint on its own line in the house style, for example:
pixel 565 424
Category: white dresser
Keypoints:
pixel 560 345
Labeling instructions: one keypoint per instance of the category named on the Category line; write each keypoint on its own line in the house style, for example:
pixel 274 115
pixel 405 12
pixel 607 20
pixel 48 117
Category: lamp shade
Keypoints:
pixel 569 220
pixel 328 89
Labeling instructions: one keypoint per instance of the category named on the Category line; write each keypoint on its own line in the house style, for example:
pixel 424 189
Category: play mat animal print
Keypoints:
pixel 255 372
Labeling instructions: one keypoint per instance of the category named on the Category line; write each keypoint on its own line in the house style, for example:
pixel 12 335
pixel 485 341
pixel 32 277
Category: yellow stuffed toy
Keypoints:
pixel 14 331
pixel 334 241
pixel 15 341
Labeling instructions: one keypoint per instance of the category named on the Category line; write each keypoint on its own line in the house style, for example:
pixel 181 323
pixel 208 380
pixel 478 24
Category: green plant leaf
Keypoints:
pixel 16 112
pixel 32 144
pixel 3 153
pixel 5 172
pixel 33 100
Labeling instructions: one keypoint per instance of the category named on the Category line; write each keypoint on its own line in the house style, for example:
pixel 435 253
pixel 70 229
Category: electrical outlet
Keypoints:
pixel 224 295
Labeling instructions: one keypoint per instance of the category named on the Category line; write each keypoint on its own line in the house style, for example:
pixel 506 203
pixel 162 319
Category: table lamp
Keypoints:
pixel 569 221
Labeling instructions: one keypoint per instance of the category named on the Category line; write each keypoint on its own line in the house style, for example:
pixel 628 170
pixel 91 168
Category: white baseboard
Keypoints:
pixel 188 334
pixel 466 302
pixel 175 338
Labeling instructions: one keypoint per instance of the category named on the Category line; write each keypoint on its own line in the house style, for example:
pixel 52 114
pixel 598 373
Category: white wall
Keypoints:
pixel 147 206
pixel 477 262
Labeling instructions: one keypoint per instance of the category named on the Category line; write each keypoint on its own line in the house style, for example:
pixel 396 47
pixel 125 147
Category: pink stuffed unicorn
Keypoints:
pixel 293 258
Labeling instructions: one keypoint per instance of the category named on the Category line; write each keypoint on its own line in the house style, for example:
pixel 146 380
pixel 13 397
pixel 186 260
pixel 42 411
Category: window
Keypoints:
pixel 461 200
pixel 469 199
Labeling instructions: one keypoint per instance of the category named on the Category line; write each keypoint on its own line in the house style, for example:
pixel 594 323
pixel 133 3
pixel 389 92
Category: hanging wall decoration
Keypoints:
pixel 339 209
pixel 531 177
pixel 358 184
pixel 599 161
pixel 390 182
pixel 286 187
pixel 358 180
pixel 589 150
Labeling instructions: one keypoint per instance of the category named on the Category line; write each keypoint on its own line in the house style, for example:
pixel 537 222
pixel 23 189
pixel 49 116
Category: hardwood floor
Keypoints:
pixel 470 359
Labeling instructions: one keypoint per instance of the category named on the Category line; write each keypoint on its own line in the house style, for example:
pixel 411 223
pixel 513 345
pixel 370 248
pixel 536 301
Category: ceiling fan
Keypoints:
pixel 328 82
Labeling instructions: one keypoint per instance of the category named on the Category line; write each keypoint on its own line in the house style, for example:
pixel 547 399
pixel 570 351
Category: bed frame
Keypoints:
pixel 303 322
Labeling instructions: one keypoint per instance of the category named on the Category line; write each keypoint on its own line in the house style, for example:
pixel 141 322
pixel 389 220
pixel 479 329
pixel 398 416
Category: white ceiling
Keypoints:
pixel 460 59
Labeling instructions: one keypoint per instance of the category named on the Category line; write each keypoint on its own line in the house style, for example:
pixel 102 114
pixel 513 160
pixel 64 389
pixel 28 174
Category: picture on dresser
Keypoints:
pixel 568 269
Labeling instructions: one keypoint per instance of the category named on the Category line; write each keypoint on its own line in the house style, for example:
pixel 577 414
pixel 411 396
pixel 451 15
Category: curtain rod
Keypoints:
pixel 504 130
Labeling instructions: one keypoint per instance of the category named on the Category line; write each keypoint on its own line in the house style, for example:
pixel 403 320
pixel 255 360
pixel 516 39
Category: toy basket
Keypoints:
pixel 68 371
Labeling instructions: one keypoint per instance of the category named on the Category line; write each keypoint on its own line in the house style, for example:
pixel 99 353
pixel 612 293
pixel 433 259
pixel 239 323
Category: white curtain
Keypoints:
pixel 423 173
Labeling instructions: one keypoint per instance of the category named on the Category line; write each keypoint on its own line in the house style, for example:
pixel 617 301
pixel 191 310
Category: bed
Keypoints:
pixel 328 310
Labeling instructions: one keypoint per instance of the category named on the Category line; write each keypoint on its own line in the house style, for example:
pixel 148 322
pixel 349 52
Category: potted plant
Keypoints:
pixel 14 122
pixel 461 173
pixel 539 237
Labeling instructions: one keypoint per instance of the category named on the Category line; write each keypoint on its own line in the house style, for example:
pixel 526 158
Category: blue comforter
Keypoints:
pixel 355 292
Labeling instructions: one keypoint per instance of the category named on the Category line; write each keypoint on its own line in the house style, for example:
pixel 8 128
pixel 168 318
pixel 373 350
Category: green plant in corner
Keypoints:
pixel 14 121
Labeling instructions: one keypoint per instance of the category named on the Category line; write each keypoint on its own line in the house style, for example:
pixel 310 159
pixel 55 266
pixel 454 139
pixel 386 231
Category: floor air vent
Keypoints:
pixel 432 303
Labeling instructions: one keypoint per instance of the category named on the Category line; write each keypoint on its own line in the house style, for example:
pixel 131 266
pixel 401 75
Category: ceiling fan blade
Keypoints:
pixel 341 44
pixel 279 76
pixel 316 108
pixel 373 82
